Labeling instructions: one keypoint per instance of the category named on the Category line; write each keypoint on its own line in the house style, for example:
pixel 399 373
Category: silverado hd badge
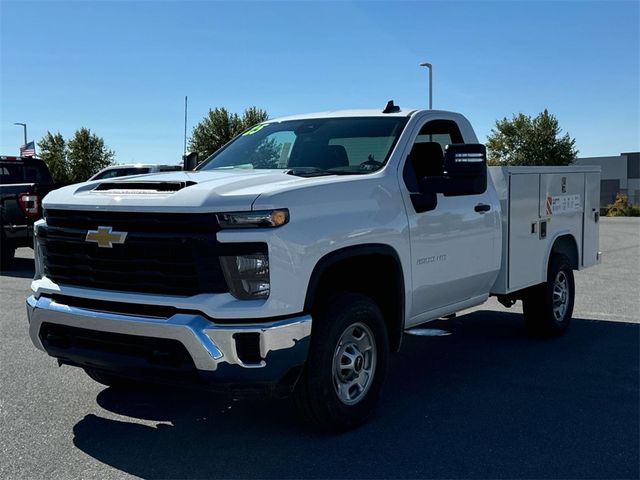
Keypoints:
pixel 105 237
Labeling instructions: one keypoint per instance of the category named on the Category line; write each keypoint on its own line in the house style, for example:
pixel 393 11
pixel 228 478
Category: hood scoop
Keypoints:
pixel 133 188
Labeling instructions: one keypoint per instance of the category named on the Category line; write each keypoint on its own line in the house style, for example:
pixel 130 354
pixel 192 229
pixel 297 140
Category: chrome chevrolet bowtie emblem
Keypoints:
pixel 105 237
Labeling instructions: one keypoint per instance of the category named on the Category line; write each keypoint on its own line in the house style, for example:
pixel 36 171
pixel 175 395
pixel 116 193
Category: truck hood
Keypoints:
pixel 206 191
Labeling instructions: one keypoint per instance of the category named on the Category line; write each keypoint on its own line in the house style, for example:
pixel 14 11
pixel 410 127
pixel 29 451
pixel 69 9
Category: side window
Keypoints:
pixel 27 172
pixel 31 174
pixel 125 172
pixel 427 154
pixel 44 176
pixel 108 174
pixel 121 172
pixel 11 174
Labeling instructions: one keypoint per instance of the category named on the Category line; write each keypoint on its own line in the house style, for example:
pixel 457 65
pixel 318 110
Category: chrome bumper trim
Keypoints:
pixel 210 345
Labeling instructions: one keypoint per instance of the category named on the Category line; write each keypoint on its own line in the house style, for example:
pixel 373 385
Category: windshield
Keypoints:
pixel 332 145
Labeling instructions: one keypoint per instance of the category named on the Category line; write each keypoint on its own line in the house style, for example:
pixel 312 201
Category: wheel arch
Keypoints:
pixel 565 244
pixel 372 269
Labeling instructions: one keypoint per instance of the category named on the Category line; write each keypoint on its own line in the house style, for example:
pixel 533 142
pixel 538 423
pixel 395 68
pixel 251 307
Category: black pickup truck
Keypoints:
pixel 24 181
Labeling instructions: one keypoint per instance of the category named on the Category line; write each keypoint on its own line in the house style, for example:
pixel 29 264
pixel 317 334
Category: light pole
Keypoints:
pixel 430 67
pixel 24 126
pixel 185 126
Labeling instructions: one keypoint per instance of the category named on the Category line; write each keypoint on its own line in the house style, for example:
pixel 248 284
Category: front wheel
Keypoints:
pixel 347 364
pixel 548 307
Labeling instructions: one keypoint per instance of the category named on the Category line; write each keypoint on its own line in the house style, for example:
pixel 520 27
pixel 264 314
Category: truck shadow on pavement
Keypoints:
pixel 485 401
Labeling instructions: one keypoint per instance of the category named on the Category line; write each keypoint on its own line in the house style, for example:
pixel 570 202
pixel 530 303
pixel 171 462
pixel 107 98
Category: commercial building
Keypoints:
pixel 619 174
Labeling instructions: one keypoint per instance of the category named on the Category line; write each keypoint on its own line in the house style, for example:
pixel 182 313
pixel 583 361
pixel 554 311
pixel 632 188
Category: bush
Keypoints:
pixel 622 208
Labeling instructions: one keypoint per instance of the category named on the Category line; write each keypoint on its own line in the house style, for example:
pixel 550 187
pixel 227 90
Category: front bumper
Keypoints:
pixel 217 359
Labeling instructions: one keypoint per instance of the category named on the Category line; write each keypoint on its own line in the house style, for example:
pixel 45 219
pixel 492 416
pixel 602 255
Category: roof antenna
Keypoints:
pixel 390 107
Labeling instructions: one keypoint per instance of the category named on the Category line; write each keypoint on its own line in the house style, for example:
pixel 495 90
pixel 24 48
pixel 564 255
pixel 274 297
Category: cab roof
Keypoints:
pixel 370 112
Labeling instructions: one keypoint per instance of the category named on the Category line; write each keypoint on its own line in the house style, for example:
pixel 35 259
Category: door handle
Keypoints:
pixel 482 207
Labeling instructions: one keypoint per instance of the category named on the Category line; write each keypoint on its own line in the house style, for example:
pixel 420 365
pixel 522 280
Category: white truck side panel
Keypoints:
pixel 591 235
pixel 539 205
pixel 525 249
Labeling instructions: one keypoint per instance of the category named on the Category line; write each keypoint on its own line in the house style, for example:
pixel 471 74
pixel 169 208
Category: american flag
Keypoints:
pixel 28 150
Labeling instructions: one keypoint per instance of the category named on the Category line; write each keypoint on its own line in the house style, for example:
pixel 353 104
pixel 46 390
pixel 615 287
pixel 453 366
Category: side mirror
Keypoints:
pixel 465 160
pixel 465 171
pixel 190 161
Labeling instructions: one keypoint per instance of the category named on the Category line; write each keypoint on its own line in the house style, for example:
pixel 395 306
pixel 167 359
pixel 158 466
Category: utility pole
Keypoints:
pixel 24 126
pixel 430 67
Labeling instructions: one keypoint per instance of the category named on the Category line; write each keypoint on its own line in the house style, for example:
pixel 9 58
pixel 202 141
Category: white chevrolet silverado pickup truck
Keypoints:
pixel 292 260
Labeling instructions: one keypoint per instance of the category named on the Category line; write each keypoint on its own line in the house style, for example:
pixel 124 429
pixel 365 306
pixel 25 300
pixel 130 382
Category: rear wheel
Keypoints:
pixel 548 307
pixel 347 363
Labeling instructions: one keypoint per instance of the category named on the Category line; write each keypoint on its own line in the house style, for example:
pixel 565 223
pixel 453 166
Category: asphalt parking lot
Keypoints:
pixel 485 401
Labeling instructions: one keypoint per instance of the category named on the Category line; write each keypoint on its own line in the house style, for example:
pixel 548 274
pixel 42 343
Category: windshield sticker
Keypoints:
pixel 255 129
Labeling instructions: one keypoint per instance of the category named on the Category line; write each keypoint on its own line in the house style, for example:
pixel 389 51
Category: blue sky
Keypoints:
pixel 123 68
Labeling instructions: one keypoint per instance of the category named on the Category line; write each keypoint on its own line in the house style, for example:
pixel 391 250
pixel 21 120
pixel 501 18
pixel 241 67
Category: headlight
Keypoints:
pixel 247 275
pixel 260 218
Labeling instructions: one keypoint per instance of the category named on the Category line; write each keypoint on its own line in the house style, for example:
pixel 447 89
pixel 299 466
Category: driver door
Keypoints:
pixel 452 245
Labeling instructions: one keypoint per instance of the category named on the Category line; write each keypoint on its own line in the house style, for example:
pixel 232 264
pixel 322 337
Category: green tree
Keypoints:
pixel 220 126
pixel 530 141
pixel 253 116
pixel 77 159
pixel 53 150
pixel 87 155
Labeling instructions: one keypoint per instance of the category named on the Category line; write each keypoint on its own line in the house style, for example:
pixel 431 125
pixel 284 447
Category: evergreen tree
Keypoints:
pixel 53 150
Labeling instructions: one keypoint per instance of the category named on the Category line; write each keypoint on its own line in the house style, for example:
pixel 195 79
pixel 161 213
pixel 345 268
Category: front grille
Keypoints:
pixel 163 253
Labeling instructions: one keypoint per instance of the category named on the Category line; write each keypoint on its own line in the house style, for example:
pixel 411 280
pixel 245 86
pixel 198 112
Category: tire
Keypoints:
pixel 112 380
pixel 548 307
pixel 347 364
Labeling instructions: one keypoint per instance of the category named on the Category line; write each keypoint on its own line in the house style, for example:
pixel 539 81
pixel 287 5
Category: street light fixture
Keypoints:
pixel 430 67
pixel 24 126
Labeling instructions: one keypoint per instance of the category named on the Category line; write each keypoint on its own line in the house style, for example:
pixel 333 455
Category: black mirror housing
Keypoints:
pixel 465 171
pixel 190 161
pixel 465 160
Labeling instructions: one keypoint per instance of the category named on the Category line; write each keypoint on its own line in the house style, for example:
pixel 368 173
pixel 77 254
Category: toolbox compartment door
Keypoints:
pixel 562 197
pixel 526 249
